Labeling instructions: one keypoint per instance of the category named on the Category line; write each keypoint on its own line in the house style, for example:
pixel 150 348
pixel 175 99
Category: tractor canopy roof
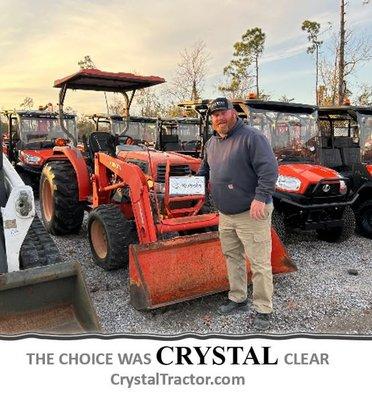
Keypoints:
pixel 94 79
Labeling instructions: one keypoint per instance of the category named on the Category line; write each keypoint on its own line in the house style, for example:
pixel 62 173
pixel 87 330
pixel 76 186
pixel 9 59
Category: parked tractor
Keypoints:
pixel 346 146
pixel 308 196
pixel 146 208
pixel 140 130
pixel 38 292
pixel 30 140
pixel 165 134
pixel 180 135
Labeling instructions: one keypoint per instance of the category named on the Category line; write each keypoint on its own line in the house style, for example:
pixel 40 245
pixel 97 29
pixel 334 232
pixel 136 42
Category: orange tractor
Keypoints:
pixel 147 208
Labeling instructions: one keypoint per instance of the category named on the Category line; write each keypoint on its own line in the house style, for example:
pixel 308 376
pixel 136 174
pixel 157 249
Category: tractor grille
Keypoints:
pixel 323 191
pixel 175 170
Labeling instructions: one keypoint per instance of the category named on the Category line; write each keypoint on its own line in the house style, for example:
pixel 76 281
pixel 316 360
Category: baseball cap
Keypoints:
pixel 221 103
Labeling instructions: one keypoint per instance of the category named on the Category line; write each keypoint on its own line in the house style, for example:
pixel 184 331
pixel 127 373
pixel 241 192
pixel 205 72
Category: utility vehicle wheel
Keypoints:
pixel 341 233
pixel 61 210
pixel 110 235
pixel 363 216
pixel 38 248
pixel 278 223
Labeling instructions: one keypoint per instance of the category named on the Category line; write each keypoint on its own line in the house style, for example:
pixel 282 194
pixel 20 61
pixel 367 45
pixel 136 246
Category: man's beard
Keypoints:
pixel 225 128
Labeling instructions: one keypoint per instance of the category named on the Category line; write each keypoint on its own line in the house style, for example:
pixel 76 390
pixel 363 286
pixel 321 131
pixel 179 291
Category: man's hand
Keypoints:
pixel 257 210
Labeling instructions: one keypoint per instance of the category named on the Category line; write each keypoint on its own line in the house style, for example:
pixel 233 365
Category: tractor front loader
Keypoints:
pixel 147 209
pixel 38 292
pixel 162 270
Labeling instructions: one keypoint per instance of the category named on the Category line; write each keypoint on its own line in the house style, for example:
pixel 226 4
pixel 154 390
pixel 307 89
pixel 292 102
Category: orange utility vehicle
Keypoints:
pixel 346 146
pixel 30 140
pixel 308 196
pixel 145 208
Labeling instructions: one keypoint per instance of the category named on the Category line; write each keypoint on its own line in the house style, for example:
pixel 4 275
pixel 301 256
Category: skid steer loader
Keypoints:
pixel 38 292
pixel 145 208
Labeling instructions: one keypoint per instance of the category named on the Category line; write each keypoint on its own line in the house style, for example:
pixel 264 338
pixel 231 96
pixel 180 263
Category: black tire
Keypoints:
pixel 278 223
pixel 110 235
pixel 38 248
pixel 61 211
pixel 363 217
pixel 342 233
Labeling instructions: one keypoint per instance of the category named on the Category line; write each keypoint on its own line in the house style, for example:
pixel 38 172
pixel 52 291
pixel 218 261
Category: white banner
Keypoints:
pixel 117 368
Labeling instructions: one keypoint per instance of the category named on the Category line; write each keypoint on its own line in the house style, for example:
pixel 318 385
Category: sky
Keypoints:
pixel 41 41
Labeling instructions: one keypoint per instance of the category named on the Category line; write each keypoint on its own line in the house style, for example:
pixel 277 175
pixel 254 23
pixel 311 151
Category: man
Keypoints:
pixel 242 171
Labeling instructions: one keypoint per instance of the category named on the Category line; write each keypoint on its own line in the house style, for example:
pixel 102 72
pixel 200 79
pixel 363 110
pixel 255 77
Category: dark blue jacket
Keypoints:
pixel 240 168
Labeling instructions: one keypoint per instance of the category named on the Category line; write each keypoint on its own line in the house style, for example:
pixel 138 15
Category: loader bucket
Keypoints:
pixel 185 268
pixel 50 299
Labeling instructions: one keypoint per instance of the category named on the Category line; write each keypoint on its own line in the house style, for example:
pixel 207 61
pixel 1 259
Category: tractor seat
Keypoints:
pixel 101 142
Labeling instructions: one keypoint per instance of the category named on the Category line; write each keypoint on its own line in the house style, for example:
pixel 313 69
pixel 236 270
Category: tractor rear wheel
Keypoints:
pixel 363 216
pixel 110 235
pixel 61 211
pixel 339 234
pixel 38 248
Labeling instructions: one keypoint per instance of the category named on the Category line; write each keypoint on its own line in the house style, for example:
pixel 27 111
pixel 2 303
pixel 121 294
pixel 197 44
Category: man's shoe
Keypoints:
pixel 262 321
pixel 232 306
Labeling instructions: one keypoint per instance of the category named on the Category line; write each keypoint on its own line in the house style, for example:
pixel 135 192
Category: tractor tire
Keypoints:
pixel 61 211
pixel 110 235
pixel 38 248
pixel 341 233
pixel 278 223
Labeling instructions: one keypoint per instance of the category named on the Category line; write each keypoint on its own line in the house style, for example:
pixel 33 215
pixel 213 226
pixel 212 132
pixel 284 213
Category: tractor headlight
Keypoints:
pixel 33 160
pixel 288 183
pixel 343 187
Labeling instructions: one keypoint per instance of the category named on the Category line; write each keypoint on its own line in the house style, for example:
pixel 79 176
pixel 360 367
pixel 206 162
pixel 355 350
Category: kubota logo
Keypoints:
pixel 326 188
pixel 114 165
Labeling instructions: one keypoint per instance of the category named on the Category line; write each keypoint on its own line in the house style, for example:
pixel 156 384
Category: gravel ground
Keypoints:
pixel 321 297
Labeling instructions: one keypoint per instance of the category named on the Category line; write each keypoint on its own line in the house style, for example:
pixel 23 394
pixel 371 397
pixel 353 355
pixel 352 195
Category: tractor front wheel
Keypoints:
pixel 110 235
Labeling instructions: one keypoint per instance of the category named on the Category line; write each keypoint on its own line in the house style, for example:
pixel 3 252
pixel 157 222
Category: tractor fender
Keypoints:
pixel 81 169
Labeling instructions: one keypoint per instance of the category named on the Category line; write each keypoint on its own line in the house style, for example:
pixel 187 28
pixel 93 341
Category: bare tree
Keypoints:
pixel 86 63
pixel 364 97
pixel 349 52
pixel 191 72
pixel 27 103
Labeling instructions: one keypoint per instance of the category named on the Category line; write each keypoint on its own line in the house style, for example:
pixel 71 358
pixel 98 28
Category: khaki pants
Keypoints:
pixel 240 235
